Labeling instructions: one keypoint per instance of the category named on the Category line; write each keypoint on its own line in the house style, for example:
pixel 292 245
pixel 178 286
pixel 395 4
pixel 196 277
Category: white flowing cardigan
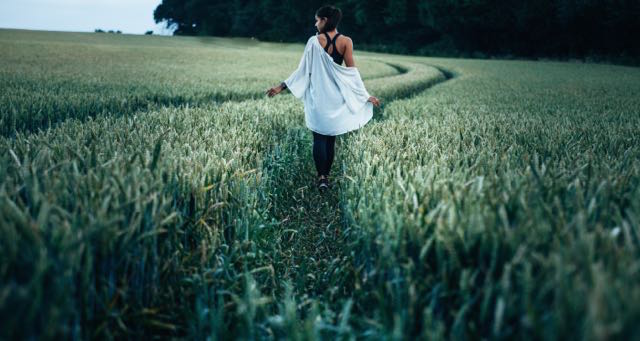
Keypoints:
pixel 334 96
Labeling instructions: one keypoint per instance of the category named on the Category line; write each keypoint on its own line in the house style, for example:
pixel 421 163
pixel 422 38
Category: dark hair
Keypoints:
pixel 333 15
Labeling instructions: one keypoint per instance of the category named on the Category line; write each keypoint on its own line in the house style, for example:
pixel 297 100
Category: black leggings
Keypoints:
pixel 323 151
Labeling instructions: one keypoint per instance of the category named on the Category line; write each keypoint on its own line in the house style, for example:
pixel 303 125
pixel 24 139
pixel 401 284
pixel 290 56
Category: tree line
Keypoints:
pixel 523 28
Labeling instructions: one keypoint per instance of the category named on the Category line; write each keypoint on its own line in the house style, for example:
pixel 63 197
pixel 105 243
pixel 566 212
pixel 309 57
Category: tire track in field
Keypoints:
pixel 314 222
pixel 12 122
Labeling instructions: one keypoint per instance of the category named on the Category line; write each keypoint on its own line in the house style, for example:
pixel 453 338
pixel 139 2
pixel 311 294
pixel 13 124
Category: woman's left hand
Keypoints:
pixel 374 100
pixel 274 91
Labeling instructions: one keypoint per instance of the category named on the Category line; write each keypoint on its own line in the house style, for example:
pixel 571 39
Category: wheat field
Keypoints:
pixel 149 188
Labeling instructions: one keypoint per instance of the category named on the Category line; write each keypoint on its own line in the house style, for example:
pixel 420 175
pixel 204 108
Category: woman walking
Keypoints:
pixel 334 96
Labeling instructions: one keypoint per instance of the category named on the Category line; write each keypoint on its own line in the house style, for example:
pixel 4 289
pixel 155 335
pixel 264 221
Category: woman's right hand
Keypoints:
pixel 274 91
pixel 374 100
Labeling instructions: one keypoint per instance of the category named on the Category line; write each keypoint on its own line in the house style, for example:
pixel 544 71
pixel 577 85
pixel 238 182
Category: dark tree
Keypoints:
pixel 529 28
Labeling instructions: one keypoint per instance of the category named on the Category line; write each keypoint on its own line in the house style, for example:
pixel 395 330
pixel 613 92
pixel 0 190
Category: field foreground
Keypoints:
pixel 149 188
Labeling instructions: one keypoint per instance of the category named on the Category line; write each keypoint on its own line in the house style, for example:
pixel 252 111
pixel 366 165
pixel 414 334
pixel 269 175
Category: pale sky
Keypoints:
pixel 128 16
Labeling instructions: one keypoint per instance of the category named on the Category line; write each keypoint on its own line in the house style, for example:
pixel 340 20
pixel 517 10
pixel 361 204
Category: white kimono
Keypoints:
pixel 334 96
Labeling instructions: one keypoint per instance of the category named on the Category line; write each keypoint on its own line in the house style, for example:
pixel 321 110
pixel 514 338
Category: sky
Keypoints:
pixel 128 16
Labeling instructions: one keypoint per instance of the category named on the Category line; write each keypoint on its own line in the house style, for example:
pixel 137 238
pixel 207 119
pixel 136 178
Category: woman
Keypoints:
pixel 334 96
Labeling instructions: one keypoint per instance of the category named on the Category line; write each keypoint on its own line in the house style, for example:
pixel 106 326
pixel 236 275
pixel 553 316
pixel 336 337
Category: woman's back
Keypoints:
pixel 330 46
pixel 338 46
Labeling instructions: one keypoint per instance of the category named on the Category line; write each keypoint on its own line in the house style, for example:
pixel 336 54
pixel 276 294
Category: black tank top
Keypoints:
pixel 337 57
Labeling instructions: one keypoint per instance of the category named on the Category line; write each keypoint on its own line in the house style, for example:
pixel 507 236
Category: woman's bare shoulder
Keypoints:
pixel 344 43
pixel 344 40
pixel 344 37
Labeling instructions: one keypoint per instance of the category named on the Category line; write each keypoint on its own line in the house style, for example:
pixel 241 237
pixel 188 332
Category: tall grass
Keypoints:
pixel 498 204
pixel 46 78
pixel 105 222
pixel 501 204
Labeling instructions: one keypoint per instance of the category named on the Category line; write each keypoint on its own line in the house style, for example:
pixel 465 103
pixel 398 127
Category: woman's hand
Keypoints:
pixel 274 91
pixel 374 100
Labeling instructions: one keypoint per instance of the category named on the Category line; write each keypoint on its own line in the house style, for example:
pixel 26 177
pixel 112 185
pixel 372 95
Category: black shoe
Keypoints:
pixel 323 184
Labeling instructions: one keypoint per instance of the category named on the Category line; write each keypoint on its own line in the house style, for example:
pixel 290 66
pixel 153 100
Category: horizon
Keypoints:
pixel 82 16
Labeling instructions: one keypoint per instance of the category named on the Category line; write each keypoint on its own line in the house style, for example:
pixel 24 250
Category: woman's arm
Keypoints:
pixel 348 54
pixel 348 60
pixel 276 89
pixel 299 80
